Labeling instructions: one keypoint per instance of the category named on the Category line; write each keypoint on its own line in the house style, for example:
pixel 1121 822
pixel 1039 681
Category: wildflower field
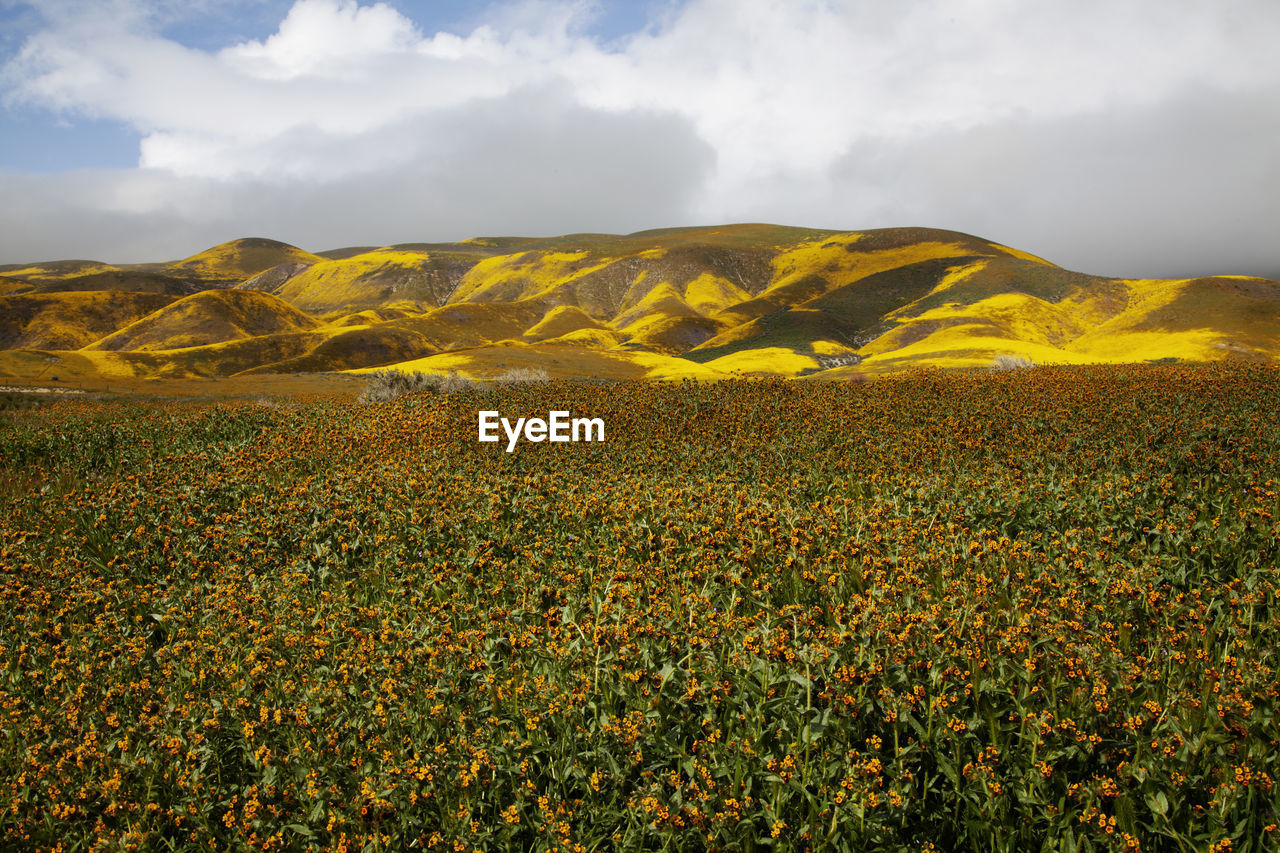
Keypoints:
pixel 1032 610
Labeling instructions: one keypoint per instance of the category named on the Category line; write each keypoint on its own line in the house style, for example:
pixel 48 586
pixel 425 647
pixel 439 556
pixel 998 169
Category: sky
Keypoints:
pixel 1135 138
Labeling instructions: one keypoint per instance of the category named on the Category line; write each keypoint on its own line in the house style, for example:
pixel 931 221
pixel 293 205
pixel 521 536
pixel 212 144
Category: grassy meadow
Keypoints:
pixel 1030 610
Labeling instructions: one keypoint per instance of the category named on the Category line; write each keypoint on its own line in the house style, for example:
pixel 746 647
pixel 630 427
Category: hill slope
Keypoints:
pixel 134 281
pixel 13 285
pixel 68 321
pixel 407 277
pixel 233 262
pixel 209 317
pixel 53 270
pixel 706 301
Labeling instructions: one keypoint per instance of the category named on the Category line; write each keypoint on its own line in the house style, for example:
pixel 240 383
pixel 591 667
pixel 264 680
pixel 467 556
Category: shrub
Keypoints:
pixel 16 400
pixel 387 385
pixel 519 375
pixel 1008 361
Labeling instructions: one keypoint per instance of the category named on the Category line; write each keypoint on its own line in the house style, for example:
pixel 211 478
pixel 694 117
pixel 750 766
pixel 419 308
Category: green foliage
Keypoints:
pixel 13 400
pixel 1032 610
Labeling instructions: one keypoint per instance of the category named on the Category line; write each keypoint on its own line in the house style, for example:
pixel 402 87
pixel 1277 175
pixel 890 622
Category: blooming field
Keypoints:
pixel 1024 611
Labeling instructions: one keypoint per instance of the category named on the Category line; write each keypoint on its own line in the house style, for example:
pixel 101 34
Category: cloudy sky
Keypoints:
pixel 1120 137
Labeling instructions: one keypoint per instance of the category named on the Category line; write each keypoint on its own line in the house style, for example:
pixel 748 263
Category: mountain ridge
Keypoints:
pixel 701 301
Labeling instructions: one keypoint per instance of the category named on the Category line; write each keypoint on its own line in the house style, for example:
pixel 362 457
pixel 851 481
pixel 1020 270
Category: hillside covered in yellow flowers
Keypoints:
pixel 705 302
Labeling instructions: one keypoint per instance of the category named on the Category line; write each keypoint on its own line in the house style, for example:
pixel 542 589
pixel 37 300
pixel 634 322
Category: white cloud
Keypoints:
pixel 573 168
pixel 327 39
pixel 838 113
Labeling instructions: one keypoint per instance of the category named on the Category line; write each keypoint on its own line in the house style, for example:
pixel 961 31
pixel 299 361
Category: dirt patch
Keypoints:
pixel 19 389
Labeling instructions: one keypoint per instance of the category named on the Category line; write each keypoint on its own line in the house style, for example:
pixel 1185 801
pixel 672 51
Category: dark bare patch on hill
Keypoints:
pixel 357 348
pixel 877 239
pixel 228 358
pixel 66 321
pixel 381 278
pixel 125 281
pixel 14 285
pixel 273 279
pixel 1246 310
pixel 52 270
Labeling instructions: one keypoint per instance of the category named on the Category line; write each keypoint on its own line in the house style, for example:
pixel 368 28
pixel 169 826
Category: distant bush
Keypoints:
pixel 12 400
pixel 520 375
pixel 387 385
pixel 1008 361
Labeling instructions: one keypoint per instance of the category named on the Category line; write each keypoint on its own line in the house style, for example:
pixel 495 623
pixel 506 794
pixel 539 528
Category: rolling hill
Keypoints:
pixel 68 321
pixel 230 263
pixel 701 302
pixel 53 270
pixel 126 280
pixel 209 317
pixel 13 285
pixel 378 278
